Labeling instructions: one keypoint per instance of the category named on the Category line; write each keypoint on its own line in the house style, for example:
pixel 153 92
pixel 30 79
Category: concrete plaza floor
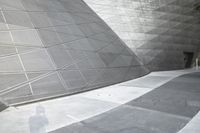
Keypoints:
pixel 160 102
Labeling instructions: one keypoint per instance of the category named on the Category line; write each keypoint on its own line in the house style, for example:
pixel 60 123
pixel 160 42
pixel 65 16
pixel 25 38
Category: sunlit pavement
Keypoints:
pixel 161 102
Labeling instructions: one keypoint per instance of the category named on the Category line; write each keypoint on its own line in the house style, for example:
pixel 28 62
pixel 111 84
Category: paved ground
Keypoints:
pixel 161 102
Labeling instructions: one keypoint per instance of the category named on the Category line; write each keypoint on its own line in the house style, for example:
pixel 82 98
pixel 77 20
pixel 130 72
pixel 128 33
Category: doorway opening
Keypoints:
pixel 188 57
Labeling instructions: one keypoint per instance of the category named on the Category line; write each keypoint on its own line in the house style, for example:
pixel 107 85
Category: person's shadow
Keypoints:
pixel 39 121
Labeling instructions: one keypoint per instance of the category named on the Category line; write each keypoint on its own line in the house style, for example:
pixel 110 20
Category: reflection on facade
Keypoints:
pixel 39 121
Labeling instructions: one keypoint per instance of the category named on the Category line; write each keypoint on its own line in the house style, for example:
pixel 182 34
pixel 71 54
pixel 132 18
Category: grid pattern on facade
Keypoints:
pixel 55 47
pixel 158 31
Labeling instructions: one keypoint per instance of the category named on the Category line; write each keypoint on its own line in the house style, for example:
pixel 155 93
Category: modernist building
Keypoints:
pixel 51 48
pixel 162 33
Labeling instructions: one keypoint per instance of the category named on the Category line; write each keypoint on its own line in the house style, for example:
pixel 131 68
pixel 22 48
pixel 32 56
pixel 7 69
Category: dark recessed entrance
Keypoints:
pixel 188 57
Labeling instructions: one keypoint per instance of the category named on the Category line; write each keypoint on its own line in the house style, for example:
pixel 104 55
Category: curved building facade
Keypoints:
pixel 164 34
pixel 3 106
pixel 50 48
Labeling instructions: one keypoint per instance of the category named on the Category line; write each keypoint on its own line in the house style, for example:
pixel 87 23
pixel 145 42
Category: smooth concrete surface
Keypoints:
pixel 125 119
pixel 135 118
pixel 104 110
pixel 192 126
pixel 180 96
